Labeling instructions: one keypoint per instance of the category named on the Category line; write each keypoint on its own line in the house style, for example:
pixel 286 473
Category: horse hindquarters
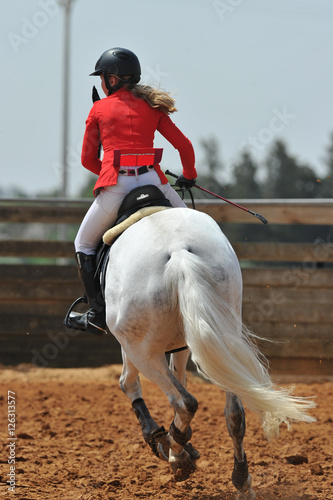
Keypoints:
pixel 221 346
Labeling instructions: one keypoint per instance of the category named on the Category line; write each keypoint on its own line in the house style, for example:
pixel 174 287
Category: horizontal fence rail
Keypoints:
pixel 54 210
pixel 291 305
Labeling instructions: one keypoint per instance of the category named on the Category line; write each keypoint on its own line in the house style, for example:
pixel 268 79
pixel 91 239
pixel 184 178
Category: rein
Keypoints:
pixel 260 217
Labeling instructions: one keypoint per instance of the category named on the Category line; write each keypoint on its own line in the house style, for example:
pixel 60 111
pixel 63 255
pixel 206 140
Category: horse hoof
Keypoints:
pixel 246 495
pixel 182 466
pixel 246 492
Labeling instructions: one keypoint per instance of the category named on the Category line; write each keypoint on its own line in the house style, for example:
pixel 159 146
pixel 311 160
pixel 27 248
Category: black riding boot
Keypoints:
pixel 92 321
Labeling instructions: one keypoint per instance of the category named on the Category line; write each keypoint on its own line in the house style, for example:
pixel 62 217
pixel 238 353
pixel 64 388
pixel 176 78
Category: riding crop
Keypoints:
pixel 260 217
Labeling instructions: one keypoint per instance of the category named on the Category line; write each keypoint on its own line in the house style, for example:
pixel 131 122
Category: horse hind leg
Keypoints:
pixel 177 365
pixel 182 402
pixel 182 455
pixel 154 435
pixel 235 419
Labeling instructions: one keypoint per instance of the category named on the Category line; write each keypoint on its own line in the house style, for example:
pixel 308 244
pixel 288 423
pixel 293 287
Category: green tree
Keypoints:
pixel 210 170
pixel 327 183
pixel 212 156
pixel 245 184
pixel 286 178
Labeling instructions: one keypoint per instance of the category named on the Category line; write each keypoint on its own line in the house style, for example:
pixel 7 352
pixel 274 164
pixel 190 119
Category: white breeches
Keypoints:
pixel 103 212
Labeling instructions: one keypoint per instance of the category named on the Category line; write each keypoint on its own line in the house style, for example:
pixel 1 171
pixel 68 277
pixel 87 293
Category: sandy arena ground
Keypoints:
pixel 78 438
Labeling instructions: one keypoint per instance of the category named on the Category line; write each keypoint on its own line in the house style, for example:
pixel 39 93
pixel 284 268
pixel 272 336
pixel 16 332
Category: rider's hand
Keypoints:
pixel 182 182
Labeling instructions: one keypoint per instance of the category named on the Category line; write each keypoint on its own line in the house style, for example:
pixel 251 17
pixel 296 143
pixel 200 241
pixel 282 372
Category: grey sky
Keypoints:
pixel 245 71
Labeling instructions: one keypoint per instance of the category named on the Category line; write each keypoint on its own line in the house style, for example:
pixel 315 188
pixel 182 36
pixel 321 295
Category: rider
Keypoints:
pixel 123 121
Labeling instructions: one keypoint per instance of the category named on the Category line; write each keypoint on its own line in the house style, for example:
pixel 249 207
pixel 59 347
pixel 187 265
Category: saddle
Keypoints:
pixel 138 203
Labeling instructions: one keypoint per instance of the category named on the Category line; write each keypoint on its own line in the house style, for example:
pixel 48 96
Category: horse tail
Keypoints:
pixel 223 349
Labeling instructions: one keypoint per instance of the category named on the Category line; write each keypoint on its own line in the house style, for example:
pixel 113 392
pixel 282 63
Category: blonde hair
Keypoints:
pixel 156 98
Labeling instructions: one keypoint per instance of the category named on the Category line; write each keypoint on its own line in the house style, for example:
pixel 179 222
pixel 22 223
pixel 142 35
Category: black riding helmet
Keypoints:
pixel 119 62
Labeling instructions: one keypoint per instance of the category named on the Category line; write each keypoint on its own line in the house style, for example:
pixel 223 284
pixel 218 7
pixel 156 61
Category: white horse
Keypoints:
pixel 173 280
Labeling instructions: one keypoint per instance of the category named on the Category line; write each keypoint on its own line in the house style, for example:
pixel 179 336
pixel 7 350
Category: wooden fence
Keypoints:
pixel 290 302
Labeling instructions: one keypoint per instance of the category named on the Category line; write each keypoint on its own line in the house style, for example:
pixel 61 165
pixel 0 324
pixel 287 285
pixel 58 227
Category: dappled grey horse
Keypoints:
pixel 173 280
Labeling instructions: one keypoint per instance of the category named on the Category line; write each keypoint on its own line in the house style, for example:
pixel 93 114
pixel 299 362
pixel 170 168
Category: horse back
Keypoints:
pixel 136 292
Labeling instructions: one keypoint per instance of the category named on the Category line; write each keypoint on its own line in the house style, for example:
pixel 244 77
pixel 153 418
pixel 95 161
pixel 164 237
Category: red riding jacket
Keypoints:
pixel 122 121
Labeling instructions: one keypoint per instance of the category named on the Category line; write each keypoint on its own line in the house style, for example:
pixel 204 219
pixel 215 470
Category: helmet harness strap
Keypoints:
pixel 108 85
pixel 129 83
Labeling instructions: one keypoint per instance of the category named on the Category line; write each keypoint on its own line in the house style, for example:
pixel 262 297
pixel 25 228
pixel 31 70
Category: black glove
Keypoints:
pixel 184 183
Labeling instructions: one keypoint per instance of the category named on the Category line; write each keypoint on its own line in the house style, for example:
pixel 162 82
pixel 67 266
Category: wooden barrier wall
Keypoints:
pixel 287 303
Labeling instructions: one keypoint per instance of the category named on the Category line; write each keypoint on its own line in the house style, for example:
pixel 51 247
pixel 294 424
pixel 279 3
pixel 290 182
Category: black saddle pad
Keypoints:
pixel 142 196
